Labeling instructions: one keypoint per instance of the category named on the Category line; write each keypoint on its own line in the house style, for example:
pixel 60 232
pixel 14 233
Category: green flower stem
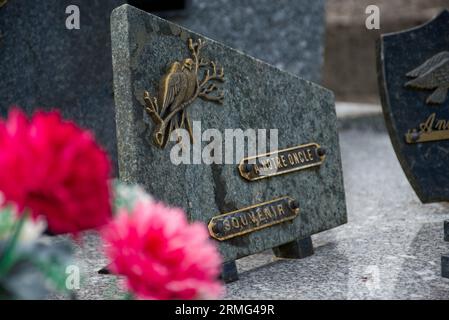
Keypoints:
pixel 7 258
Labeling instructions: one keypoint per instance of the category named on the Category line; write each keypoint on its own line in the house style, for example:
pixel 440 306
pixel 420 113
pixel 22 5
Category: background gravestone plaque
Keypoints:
pixel 256 96
pixel 45 65
pixel 413 81
pixel 286 33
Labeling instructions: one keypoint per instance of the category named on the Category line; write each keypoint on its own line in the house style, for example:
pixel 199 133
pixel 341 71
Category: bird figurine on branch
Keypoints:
pixel 178 89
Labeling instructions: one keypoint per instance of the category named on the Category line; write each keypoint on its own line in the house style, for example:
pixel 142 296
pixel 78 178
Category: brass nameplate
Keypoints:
pixel 253 218
pixel 281 161
pixel 431 129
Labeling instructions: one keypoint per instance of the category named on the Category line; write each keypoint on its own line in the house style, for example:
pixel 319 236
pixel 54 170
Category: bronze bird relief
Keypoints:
pixel 178 89
pixel 432 74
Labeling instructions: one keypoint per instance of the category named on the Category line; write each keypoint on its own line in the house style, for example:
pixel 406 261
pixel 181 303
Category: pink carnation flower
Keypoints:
pixel 161 255
pixel 55 169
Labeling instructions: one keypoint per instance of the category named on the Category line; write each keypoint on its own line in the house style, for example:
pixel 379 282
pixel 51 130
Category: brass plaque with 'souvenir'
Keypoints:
pixel 281 161
pixel 253 218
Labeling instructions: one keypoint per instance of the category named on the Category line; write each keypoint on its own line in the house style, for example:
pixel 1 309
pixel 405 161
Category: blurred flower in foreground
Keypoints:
pixel 161 255
pixel 127 196
pixel 53 168
pixel 30 267
pixel 30 231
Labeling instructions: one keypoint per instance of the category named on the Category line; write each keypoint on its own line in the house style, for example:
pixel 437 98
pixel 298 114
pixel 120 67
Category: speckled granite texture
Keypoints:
pixel 257 96
pixel 286 33
pixel 44 65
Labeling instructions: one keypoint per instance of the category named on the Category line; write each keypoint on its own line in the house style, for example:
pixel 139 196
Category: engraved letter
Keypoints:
pixel 428 125
pixel 227 225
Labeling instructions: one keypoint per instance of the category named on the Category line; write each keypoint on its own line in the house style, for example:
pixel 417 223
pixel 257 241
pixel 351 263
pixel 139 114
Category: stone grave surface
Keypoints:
pixel 374 256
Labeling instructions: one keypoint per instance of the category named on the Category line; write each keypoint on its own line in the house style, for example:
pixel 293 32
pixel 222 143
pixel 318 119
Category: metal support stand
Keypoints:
pixel 297 249
pixel 445 257
pixel 229 272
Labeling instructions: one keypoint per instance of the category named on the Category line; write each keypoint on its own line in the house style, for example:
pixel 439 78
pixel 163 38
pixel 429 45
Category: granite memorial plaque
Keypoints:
pixel 413 81
pixel 177 92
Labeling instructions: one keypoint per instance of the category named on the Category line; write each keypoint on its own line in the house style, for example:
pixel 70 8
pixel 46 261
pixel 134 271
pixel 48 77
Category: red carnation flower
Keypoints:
pixel 161 255
pixel 53 168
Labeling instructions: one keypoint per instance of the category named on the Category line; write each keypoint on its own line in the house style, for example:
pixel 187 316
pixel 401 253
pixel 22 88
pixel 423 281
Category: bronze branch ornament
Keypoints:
pixel 178 89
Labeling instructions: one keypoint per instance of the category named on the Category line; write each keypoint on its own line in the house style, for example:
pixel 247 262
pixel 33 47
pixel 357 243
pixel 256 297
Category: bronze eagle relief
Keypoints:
pixel 433 74
pixel 178 89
